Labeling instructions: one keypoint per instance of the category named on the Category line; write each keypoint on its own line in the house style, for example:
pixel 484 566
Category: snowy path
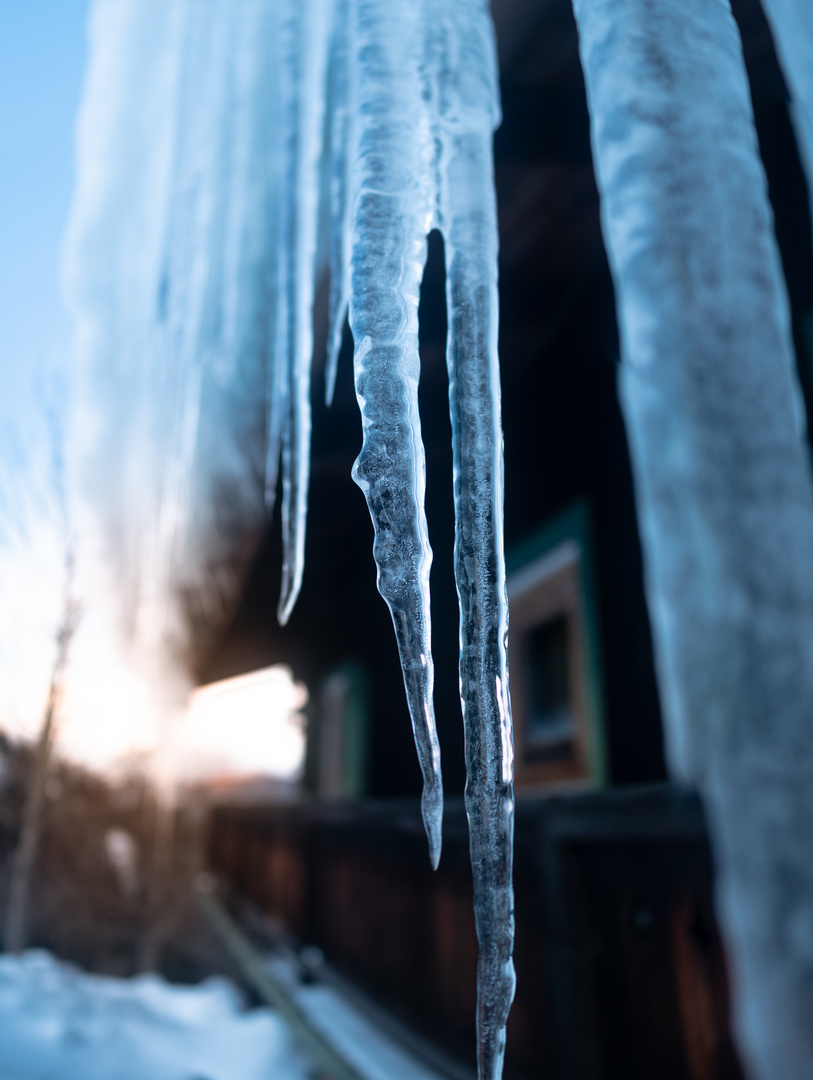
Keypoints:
pixel 57 1023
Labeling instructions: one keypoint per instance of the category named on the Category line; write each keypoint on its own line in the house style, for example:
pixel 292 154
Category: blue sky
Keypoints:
pixel 42 55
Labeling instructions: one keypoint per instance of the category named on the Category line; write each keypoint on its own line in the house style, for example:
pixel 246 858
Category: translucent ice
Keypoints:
pixel 394 205
pixel 468 112
pixel 426 108
pixel 305 66
pixel 722 479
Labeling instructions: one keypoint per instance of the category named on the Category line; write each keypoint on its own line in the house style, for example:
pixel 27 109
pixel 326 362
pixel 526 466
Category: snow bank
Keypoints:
pixel 57 1023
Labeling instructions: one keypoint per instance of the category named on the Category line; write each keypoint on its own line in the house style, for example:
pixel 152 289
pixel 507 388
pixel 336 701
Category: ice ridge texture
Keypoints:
pixel 723 486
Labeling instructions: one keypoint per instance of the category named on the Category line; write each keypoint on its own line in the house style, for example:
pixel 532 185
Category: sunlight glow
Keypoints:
pixel 248 725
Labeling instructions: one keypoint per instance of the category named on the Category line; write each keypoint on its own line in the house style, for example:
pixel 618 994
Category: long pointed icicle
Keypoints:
pixel 469 113
pixel 393 208
pixel 281 172
pixel 277 388
pixel 310 64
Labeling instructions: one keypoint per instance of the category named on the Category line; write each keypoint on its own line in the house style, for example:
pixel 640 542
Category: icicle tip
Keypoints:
pixel 432 814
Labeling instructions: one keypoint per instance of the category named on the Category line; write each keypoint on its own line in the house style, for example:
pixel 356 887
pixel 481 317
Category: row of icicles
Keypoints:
pixel 211 137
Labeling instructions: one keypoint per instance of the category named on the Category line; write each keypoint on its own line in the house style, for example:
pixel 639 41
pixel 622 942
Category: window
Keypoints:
pixel 554 658
pixel 550 718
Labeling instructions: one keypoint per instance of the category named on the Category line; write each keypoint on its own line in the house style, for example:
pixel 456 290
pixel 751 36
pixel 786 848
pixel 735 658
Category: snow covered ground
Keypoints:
pixel 57 1023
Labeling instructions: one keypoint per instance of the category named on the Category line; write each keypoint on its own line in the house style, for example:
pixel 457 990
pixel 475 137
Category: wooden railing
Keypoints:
pixel 620 968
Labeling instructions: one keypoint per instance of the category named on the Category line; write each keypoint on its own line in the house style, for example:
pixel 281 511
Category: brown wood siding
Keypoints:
pixel 620 969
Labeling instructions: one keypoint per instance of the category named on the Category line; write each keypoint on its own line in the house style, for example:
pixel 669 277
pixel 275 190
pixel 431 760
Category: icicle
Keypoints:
pixel 342 147
pixel 186 303
pixel 283 122
pixel 277 382
pixel 308 69
pixel 792 22
pixel 722 477
pixel 469 112
pixel 394 204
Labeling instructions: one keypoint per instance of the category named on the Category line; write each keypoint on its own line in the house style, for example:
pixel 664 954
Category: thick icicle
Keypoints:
pixel 722 477
pixel 207 297
pixel 192 276
pixel 394 203
pixel 169 266
pixel 180 326
pixel 308 69
pixel 469 112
